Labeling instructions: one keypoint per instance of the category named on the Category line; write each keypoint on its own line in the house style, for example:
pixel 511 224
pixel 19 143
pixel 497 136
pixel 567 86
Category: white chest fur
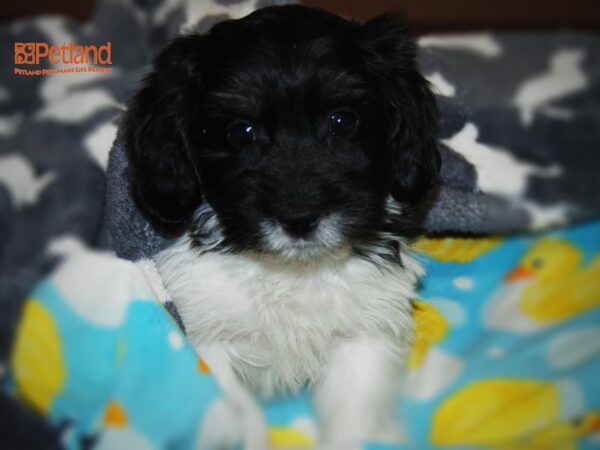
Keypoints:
pixel 280 322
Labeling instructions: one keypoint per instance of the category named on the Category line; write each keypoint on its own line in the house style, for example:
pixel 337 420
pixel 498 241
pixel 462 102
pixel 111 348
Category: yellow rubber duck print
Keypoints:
pixel 560 286
pixel 550 284
pixel 495 411
pixel 430 327
pixel 289 438
pixel 456 249
pixel 509 414
pixel 37 357
pixel 562 435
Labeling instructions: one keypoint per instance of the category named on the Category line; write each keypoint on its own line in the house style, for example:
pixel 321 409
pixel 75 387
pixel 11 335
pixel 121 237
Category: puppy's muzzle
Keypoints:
pixel 299 224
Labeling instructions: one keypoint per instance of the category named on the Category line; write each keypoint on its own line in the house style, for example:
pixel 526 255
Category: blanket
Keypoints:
pixel 517 138
pixel 507 352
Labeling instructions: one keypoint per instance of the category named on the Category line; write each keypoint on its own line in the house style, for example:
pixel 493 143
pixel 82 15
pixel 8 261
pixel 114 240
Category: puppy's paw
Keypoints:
pixel 221 428
pixel 339 445
pixel 227 428
pixel 388 434
pixel 255 432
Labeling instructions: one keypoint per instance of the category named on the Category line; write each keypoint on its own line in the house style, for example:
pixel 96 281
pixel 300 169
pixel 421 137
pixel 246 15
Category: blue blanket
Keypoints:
pixel 507 353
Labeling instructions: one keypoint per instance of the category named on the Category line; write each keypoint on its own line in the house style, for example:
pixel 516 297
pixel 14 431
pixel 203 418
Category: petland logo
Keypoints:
pixel 71 58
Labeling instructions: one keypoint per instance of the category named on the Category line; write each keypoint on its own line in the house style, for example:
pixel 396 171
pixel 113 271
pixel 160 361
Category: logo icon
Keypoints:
pixel 25 53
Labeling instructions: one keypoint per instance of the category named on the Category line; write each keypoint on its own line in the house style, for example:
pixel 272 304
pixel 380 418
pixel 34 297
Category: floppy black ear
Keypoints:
pixel 390 56
pixel 163 179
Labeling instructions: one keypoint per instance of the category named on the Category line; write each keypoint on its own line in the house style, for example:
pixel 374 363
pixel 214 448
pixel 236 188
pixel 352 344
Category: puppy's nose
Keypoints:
pixel 299 224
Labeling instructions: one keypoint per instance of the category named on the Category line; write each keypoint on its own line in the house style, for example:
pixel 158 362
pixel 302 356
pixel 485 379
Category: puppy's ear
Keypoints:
pixel 163 178
pixel 390 56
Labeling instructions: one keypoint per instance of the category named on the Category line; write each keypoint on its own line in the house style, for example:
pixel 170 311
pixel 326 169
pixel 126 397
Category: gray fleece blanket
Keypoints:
pixel 518 115
pixel 519 134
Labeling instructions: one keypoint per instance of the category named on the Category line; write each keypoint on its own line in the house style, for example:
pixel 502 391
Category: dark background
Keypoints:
pixel 423 15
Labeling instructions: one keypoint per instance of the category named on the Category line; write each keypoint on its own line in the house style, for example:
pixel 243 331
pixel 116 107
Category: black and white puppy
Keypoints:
pixel 286 154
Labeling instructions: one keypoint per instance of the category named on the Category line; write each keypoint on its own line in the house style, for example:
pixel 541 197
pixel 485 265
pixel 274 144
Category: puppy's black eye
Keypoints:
pixel 241 133
pixel 342 123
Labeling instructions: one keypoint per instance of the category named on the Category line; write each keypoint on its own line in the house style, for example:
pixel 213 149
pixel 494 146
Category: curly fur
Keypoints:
pixel 270 308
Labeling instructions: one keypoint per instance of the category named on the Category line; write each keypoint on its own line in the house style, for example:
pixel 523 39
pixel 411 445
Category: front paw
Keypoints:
pixel 389 434
pixel 339 445
pixel 221 428
pixel 255 432
pixel 227 428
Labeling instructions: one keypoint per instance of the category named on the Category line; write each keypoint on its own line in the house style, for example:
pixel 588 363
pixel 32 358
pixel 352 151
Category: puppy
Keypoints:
pixel 286 154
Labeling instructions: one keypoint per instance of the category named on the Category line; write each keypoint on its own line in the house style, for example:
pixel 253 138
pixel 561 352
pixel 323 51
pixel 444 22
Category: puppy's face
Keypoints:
pixel 297 127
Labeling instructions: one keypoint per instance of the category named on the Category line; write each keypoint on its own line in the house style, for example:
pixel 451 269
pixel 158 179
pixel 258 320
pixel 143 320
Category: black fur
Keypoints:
pixel 285 70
